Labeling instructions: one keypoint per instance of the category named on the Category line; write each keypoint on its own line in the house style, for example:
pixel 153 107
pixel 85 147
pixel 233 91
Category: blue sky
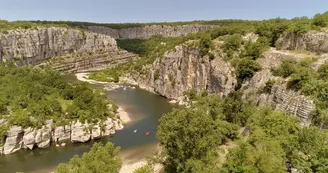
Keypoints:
pixel 119 11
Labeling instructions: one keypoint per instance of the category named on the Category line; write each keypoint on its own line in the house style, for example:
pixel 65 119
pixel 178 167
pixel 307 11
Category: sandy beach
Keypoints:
pixel 84 78
pixel 130 168
pixel 124 116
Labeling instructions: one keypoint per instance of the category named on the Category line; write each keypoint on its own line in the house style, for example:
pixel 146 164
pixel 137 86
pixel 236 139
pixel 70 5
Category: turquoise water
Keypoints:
pixel 144 109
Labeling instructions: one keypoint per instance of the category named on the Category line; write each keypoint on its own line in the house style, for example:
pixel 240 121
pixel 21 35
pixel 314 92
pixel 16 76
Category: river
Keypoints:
pixel 144 108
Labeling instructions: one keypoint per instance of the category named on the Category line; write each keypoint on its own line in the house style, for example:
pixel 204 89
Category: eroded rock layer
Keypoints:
pixel 149 31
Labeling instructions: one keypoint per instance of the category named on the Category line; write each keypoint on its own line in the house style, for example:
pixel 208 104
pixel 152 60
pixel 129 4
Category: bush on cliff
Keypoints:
pixel 321 19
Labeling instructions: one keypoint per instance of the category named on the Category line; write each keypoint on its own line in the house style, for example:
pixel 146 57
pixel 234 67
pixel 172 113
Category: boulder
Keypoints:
pixel 14 140
pixel 96 132
pixel 108 127
pixel 43 135
pixel 62 133
pixel 118 124
pixel 80 132
pixel 29 138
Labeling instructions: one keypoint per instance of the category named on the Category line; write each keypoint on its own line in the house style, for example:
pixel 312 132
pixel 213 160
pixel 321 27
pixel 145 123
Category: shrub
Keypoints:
pixel 247 68
pixel 321 20
pixel 268 86
pixel 255 49
pixel 233 42
pixel 287 68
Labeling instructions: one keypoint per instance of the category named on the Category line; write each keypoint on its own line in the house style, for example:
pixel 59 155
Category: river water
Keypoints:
pixel 144 109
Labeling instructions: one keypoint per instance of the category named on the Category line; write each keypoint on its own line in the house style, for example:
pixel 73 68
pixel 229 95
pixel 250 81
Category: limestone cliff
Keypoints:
pixel 313 41
pixel 148 31
pixel 185 68
pixel 279 96
pixel 35 46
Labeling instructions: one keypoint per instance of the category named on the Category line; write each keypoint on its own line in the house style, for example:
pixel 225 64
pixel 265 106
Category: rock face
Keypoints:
pixel 43 135
pixel 61 133
pixel 69 49
pixel 148 31
pixel 91 61
pixel 185 69
pixel 118 124
pixel 34 46
pixel 96 131
pixel 108 127
pixel 14 140
pixel 312 41
pixel 29 138
pixel 178 71
pixel 80 132
pixel 221 77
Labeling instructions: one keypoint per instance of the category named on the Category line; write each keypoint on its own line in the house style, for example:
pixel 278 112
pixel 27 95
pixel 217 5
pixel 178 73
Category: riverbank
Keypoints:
pixel 136 158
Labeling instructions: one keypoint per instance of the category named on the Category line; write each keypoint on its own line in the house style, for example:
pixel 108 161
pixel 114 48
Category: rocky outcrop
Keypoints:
pixel 29 138
pixel 14 140
pixel 95 131
pixel 90 61
pixel 149 31
pixel 178 71
pixel 43 135
pixel 80 132
pixel 222 79
pixel 118 124
pixel 61 133
pixel 313 41
pixel 185 69
pixel 108 127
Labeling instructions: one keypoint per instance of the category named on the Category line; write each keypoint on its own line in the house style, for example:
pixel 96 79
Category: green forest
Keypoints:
pixel 30 95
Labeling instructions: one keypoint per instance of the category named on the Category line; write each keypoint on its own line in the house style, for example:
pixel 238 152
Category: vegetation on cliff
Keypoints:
pixel 302 77
pixel 260 139
pixel 30 96
pixel 6 25
pixel 132 25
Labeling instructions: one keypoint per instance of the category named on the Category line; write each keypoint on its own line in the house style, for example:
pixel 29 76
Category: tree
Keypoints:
pixel 233 42
pixel 247 68
pixel 258 154
pixel 255 49
pixel 321 19
pixel 100 159
pixel 189 136
pixel 308 151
